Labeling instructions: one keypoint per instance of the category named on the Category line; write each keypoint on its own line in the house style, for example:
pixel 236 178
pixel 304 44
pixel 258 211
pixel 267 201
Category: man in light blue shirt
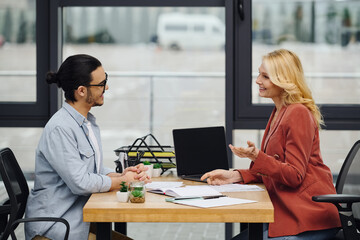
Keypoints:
pixel 69 167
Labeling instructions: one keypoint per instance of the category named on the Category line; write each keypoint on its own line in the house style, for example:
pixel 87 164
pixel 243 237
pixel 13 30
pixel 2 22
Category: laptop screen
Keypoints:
pixel 200 150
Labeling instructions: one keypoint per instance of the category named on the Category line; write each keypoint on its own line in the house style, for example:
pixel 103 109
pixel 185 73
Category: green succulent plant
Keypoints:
pixel 124 187
pixel 157 165
pixel 137 193
pixel 146 163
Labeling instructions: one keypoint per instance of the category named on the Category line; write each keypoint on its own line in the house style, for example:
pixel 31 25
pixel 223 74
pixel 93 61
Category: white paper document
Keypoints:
pixel 160 184
pixel 236 188
pixel 215 202
pixel 188 191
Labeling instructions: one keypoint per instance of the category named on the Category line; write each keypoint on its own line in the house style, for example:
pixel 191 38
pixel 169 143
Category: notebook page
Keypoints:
pixel 189 191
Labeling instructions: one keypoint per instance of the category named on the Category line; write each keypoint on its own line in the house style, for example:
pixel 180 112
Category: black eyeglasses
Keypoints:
pixel 102 84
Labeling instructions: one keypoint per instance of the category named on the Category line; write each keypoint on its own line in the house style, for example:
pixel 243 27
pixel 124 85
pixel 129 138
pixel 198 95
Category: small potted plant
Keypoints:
pixel 137 192
pixel 156 170
pixel 123 195
pixel 150 168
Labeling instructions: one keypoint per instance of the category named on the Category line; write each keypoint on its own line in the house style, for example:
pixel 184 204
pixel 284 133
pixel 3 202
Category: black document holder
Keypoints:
pixel 141 151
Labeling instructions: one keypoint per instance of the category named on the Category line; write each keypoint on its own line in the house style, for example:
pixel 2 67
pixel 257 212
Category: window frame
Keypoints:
pixel 56 7
pixel 34 114
pixel 48 55
pixel 245 114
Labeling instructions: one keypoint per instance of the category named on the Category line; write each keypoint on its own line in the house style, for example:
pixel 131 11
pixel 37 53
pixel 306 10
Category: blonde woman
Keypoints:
pixel 289 162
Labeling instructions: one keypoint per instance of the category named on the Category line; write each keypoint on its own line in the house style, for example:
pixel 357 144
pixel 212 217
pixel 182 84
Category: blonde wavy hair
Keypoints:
pixel 285 71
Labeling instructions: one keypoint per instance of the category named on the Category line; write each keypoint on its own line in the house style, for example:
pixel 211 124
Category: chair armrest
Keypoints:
pixel 337 198
pixel 5 209
pixel 40 219
pixel 343 202
pixel 4 216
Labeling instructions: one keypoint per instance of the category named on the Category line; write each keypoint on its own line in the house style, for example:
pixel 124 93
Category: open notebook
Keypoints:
pixel 188 191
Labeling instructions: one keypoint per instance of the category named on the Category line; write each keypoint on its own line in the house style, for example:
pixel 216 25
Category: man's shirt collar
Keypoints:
pixel 80 119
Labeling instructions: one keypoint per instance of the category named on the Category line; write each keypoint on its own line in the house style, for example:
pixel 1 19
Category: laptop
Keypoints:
pixel 199 150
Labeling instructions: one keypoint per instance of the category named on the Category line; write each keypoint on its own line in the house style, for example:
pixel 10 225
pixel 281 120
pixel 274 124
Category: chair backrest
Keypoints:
pixel 16 187
pixel 348 181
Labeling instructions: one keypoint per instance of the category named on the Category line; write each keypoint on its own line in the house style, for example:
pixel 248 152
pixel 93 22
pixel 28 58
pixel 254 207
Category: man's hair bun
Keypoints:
pixel 51 78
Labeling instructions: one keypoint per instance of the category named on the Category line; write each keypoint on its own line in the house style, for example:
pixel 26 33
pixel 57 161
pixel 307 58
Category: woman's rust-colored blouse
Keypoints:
pixel 291 167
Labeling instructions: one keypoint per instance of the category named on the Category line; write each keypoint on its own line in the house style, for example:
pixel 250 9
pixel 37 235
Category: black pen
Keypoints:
pixel 212 197
pixel 193 197
pixel 182 198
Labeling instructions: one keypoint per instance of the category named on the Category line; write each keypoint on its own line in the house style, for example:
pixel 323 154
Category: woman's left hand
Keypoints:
pixel 250 152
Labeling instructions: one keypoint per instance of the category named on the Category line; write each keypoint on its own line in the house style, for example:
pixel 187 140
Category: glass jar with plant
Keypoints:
pixel 123 195
pixel 156 170
pixel 137 192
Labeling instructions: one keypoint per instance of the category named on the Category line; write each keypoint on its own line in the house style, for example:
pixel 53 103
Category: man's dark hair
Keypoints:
pixel 75 71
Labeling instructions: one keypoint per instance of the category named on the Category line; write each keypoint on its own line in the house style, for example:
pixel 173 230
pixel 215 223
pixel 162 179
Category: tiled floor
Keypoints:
pixel 167 231
pixel 176 231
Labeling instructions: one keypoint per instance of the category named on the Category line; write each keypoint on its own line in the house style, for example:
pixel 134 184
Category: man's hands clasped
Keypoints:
pixel 137 172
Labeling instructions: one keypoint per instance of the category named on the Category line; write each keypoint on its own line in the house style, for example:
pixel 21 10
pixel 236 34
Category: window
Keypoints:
pixel 153 88
pixel 17 39
pixel 155 84
pixel 24 94
pixel 325 36
pixel 23 100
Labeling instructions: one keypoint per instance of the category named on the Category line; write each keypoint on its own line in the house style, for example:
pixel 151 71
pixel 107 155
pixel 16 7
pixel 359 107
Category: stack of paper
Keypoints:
pixel 214 202
pixel 193 195
pixel 187 191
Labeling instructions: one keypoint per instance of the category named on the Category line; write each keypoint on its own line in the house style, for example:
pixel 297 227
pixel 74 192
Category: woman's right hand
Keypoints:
pixel 220 177
pixel 250 152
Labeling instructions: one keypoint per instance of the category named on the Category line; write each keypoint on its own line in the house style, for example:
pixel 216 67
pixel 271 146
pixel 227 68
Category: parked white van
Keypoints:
pixel 190 31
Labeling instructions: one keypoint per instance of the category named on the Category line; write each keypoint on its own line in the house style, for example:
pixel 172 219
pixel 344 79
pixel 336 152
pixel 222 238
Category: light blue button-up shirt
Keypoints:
pixel 65 175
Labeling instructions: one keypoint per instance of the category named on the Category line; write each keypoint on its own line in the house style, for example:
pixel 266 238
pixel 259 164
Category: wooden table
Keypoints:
pixel 103 208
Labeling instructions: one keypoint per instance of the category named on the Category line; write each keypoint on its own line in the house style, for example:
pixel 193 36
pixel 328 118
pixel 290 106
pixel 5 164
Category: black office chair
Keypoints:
pixel 12 210
pixel 347 199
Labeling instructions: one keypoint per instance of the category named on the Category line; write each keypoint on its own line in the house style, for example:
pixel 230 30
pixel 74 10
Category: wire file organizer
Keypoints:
pixel 140 151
